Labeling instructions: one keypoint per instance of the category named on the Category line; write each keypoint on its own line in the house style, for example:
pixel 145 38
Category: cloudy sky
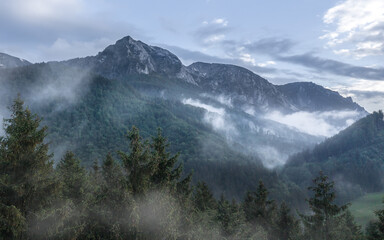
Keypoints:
pixel 337 44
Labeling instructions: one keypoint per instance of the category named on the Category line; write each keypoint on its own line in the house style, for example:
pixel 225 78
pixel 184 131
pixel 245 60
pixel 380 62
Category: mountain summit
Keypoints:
pixel 128 56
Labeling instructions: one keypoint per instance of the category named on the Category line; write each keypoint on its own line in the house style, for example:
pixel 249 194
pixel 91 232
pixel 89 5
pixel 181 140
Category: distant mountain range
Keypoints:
pixel 128 56
pixel 211 113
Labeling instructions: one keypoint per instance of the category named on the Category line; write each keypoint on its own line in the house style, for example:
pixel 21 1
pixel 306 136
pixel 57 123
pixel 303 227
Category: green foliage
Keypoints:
pixel 230 216
pixel 165 172
pixel 137 164
pixel 26 171
pixel 12 222
pixel 143 196
pixel 287 227
pixel 363 208
pixel 73 178
pixel 203 198
pixel 328 220
pixel 354 157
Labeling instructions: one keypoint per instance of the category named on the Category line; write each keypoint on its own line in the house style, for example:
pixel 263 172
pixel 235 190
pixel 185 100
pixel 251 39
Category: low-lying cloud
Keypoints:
pixel 316 123
pixel 214 116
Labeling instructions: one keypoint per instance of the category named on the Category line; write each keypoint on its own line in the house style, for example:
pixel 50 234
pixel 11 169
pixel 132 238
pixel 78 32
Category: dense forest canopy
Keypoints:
pixel 144 195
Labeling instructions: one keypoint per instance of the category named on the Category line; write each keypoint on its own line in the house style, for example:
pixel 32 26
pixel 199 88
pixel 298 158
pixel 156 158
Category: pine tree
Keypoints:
pixel 26 168
pixel 73 178
pixel 203 198
pixel 230 216
pixel 110 208
pixel 137 163
pixel 286 224
pixel 258 209
pixel 70 212
pixel 166 174
pixel 324 223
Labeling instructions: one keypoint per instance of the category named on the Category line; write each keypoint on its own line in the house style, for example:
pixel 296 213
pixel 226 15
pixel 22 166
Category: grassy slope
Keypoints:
pixel 363 208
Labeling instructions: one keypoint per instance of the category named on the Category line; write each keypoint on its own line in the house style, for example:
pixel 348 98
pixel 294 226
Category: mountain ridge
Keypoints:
pixel 212 113
pixel 128 56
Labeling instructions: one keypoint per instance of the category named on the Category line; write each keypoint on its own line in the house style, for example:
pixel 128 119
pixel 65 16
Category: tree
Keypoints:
pixel 166 174
pixel 73 178
pixel 137 163
pixel 287 226
pixel 324 223
pixel 26 169
pixel 230 216
pixel 258 209
pixel 110 205
pixel 203 198
pixel 70 213
pixel 375 229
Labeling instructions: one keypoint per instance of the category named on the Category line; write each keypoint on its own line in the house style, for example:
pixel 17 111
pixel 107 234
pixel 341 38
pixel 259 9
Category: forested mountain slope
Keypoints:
pixel 213 114
pixel 354 158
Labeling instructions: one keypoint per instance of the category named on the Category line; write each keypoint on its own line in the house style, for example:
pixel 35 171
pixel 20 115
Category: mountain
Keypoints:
pixel 214 115
pixel 308 96
pixel 8 61
pixel 238 84
pixel 243 87
pixel 353 158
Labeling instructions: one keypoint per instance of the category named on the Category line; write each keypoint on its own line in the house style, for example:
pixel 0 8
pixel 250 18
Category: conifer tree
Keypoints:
pixel 26 169
pixel 258 209
pixel 327 216
pixel 229 215
pixel 73 178
pixel 166 174
pixel 70 213
pixel 286 224
pixel 109 210
pixel 137 163
pixel 203 198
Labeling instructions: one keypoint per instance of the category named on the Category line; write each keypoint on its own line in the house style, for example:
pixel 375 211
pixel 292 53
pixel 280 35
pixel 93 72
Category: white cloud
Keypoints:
pixel 214 38
pixel 267 63
pixel 358 24
pixel 247 58
pixel 36 10
pixel 212 32
pixel 214 116
pixel 220 21
pixel 316 123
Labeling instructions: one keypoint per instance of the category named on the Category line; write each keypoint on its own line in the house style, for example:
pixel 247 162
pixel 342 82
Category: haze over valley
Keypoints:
pixel 203 120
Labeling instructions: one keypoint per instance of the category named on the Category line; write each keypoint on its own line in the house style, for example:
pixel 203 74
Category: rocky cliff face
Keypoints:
pixel 241 86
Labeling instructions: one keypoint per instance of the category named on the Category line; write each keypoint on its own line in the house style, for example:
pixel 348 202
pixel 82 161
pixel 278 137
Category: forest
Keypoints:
pixel 144 194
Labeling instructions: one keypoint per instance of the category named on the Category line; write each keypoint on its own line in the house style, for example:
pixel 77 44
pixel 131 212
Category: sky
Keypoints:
pixel 336 44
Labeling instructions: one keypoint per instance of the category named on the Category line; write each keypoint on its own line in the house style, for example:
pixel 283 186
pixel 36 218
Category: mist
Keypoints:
pixel 215 117
pixel 47 89
pixel 250 134
pixel 271 136
pixel 323 124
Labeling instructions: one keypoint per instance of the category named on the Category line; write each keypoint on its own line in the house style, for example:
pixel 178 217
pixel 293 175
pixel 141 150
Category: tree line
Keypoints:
pixel 144 194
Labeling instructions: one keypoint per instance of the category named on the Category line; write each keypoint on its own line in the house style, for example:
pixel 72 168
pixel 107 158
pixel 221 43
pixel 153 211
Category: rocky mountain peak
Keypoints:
pixel 128 56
